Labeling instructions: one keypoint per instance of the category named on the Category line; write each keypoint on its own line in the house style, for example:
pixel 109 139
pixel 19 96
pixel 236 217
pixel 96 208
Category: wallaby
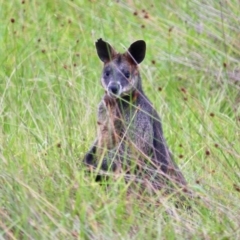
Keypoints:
pixel 130 133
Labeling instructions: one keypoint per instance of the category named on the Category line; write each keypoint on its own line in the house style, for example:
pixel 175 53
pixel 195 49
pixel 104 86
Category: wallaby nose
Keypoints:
pixel 113 88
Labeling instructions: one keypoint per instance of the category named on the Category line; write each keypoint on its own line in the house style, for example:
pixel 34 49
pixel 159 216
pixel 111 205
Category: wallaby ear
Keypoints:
pixel 104 50
pixel 137 51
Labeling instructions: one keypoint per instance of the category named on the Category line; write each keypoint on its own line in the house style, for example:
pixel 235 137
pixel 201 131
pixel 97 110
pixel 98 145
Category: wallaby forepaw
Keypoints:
pixel 109 101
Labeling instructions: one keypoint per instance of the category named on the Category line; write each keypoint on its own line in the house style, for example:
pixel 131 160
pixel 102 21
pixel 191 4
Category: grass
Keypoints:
pixel 49 91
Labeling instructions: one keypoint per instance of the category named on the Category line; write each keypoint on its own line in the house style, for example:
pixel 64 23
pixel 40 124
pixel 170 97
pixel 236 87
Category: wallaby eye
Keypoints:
pixel 106 73
pixel 127 74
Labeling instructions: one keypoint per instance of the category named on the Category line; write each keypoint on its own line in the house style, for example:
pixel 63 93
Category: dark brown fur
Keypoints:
pixel 109 125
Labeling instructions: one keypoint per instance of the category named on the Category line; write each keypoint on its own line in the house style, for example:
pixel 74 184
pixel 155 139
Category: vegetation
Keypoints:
pixel 49 91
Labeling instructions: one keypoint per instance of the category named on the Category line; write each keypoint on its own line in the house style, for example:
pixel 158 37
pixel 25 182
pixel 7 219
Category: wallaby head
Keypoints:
pixel 120 75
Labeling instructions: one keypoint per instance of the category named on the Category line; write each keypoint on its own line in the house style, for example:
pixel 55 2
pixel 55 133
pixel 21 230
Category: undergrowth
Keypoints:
pixel 49 91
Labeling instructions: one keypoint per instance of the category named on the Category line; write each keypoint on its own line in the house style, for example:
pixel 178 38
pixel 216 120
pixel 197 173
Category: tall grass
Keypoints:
pixel 49 91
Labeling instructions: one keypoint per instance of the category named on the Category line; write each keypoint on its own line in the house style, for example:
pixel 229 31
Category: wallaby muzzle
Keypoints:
pixel 114 89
